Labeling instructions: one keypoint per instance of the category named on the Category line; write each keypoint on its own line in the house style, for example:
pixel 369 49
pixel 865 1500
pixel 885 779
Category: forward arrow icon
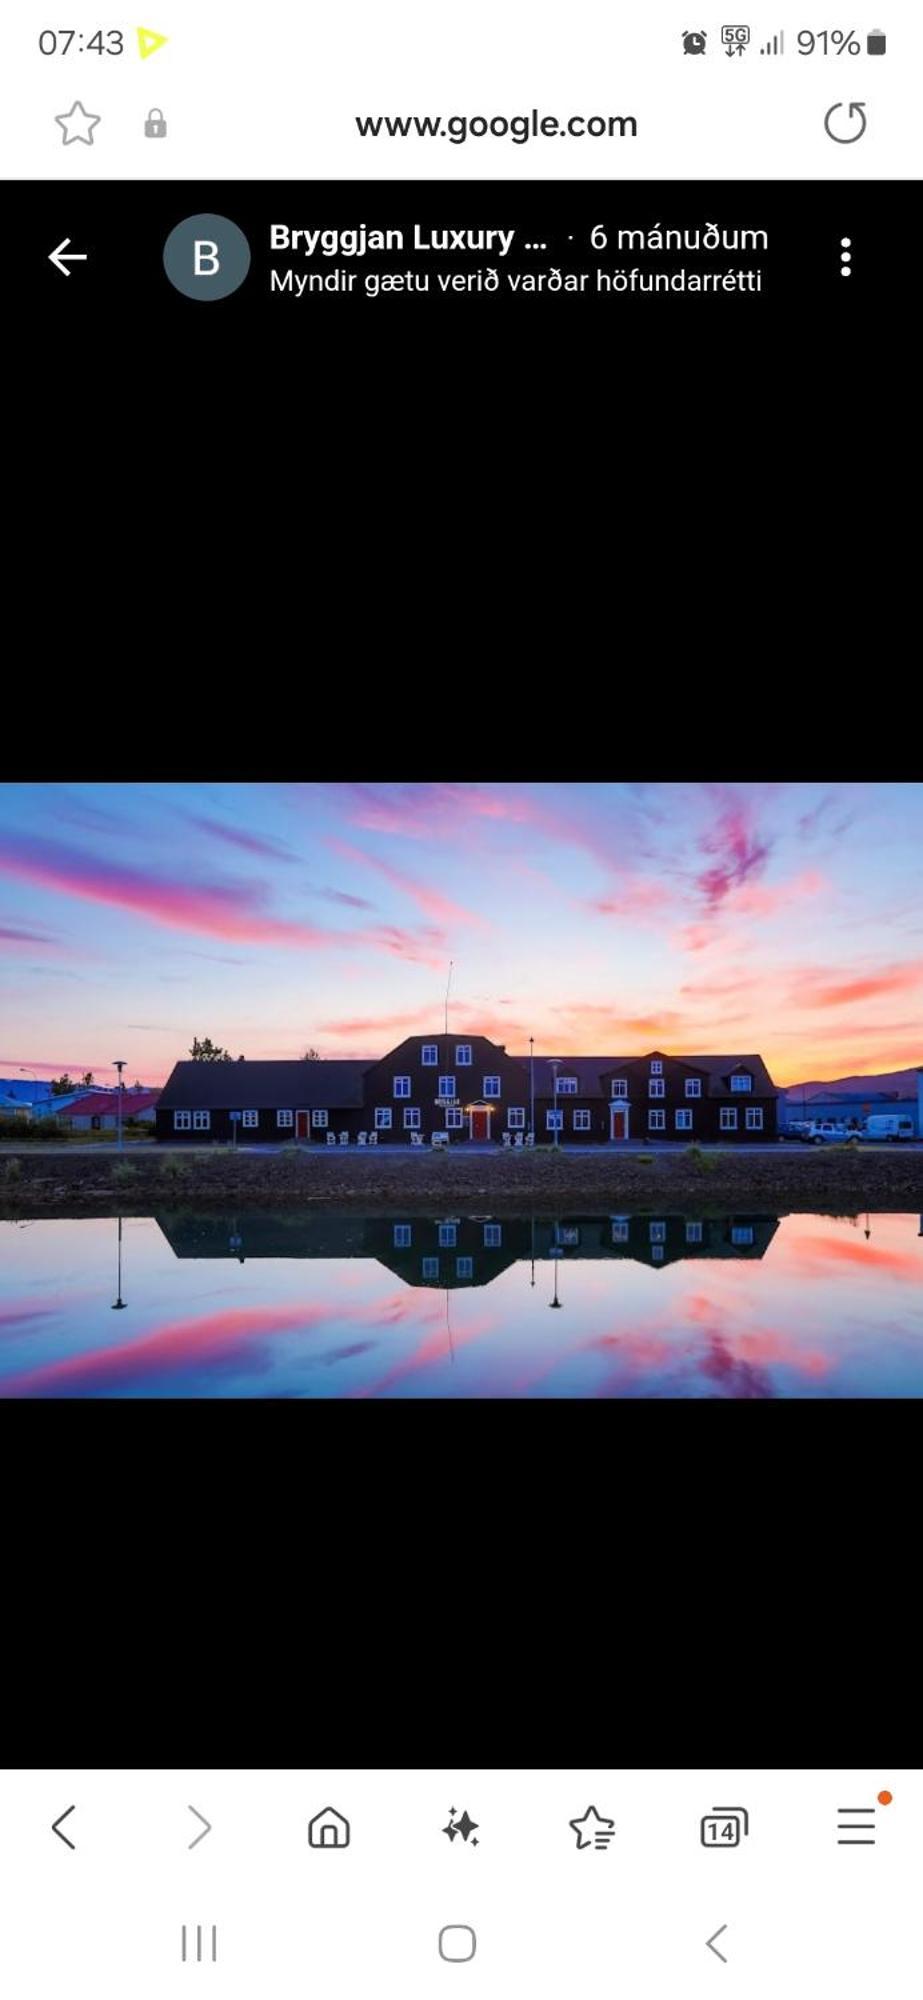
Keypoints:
pixel 206 1827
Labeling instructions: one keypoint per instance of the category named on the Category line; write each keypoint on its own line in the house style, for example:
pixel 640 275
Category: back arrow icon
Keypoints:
pixel 711 1945
pixel 206 1827
pixel 61 257
pixel 56 1828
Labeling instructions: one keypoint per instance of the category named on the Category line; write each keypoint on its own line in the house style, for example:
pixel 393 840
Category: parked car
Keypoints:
pixel 823 1130
pixel 889 1125
pixel 797 1128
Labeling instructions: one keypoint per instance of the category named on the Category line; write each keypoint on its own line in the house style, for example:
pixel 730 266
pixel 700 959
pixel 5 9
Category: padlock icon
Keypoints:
pixel 155 124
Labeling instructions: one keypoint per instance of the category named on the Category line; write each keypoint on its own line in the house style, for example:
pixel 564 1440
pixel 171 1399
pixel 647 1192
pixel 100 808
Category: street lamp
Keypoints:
pixel 118 1304
pixel 554 1061
pixel 556 1303
pixel 116 1064
pixel 532 1087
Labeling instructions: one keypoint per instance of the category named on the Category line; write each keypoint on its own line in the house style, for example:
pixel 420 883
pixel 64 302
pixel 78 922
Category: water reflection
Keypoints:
pixel 452 1250
pixel 280 1303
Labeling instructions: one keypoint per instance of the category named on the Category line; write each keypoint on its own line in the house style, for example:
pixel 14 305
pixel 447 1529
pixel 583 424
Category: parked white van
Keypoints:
pixel 889 1125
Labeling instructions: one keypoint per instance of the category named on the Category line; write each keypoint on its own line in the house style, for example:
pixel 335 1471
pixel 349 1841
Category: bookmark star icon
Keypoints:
pixel 593 1830
pixel 77 124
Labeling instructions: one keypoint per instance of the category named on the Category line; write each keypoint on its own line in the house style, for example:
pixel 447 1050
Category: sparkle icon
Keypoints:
pixel 77 124
pixel 593 1830
pixel 463 1826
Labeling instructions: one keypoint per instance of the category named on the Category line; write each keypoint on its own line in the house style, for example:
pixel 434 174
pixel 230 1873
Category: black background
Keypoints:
pixel 392 544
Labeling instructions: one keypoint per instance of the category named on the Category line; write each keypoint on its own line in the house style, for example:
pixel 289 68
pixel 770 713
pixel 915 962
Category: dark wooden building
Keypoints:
pixel 471 1090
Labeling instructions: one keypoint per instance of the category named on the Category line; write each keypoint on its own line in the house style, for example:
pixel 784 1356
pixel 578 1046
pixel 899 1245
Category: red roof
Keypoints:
pixel 98 1103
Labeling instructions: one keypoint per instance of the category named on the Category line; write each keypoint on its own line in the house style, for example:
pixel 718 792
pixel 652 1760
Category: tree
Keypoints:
pixel 311 1055
pixel 61 1085
pixel 208 1051
pixel 88 1078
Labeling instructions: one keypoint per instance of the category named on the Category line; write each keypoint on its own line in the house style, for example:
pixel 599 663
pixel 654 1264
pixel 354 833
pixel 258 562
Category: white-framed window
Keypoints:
pixel 754 1118
pixel 581 1121
pixel 201 1121
pixel 411 1118
pixel 742 1081
pixel 448 1235
pixel 684 1121
pixel 491 1086
pixel 656 1087
pixel 656 1067
pixel 182 1121
pixel 403 1236
pixel 250 1118
pixel 728 1120
pixel 658 1232
pixel 693 1086
pixel 447 1086
pixel 693 1232
pixel 516 1117
pixel 567 1235
pixel 657 1121
pixel 454 1117
pixel 430 1267
pixel 567 1086
pixel 742 1234
pixel 285 1119
pixel 620 1232
pixel 493 1235
pixel 320 1120
pixel 554 1121
pixel 464 1267
pixel 430 1055
pixel 402 1086
pixel 620 1086
pixel 383 1118
pixel 656 1253
pixel 463 1055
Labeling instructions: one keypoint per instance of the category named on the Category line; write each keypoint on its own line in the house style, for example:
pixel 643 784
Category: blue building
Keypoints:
pixel 25 1089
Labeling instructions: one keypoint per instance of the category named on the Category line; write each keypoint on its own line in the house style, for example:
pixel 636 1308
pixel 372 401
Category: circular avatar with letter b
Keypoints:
pixel 207 257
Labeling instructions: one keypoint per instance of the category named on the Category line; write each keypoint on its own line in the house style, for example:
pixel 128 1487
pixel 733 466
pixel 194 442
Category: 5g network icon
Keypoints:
pixel 724 1826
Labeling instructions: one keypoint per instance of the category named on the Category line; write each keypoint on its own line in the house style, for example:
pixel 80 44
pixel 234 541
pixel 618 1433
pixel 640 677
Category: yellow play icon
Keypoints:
pixel 149 42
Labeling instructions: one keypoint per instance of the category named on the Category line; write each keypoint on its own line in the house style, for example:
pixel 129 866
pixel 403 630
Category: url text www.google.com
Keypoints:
pixel 519 128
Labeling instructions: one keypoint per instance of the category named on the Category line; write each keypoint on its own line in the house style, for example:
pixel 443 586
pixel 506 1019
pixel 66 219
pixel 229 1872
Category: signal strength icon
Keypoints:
pixel 776 47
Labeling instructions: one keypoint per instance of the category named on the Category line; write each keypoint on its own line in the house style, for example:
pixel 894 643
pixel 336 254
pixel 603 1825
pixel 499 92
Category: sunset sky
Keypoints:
pixel 612 919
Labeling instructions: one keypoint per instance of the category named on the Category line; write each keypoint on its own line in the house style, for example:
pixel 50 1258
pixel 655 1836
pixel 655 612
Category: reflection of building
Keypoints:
pixel 449 1251
pixel 471 1091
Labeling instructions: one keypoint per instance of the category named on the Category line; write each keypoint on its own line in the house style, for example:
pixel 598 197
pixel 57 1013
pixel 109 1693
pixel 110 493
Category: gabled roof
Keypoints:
pixel 103 1103
pixel 590 1070
pixel 263 1086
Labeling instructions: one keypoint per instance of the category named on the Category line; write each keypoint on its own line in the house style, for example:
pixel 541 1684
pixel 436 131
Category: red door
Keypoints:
pixel 301 1124
pixel 619 1121
pixel 480 1124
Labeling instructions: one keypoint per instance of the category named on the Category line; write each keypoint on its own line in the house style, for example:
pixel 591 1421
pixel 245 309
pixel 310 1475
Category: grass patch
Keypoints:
pixel 123 1171
pixel 645 1159
pixel 12 1172
pixel 703 1163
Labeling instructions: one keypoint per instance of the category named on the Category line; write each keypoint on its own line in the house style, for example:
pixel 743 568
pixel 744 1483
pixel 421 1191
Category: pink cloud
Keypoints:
pixel 183 1344
pixel 817 989
pixel 739 850
pixel 431 901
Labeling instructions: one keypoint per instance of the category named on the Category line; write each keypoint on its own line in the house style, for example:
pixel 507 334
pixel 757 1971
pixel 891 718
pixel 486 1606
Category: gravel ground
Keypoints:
pixel 550 1182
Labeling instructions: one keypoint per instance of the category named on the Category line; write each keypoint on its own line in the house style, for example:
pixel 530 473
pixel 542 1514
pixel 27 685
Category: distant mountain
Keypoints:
pixel 895 1082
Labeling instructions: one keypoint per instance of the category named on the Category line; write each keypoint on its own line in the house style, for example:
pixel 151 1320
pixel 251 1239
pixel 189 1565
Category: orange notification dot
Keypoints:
pixel 884 1798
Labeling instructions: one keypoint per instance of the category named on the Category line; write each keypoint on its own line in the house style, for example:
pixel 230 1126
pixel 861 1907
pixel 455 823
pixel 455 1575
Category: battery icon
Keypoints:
pixel 877 43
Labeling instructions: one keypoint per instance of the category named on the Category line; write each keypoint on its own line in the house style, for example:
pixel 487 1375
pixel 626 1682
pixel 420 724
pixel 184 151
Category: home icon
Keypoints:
pixel 328 1829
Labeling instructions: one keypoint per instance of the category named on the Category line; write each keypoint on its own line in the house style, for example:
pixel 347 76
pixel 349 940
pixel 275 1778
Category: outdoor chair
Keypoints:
pixel 507 1138
pixel 439 1139
pixel 331 1138
pixel 344 1138
pixel 517 1138
pixel 362 1139
pixel 373 1138
pixel 416 1138
pixel 529 1139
